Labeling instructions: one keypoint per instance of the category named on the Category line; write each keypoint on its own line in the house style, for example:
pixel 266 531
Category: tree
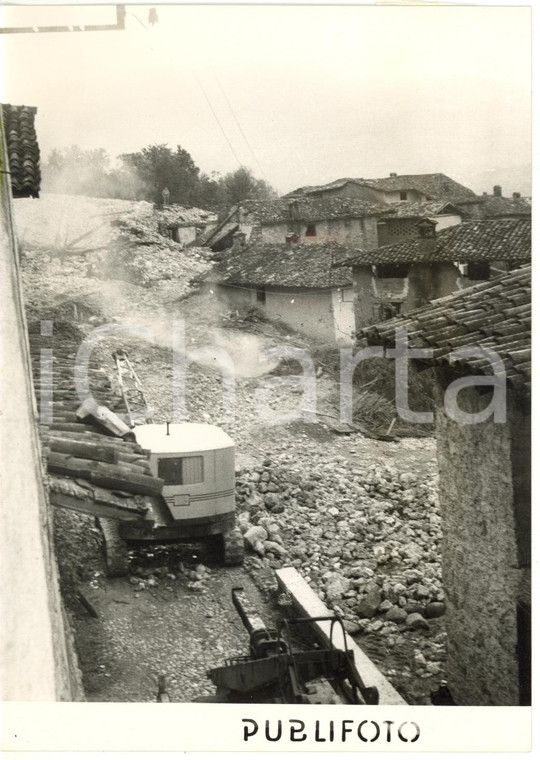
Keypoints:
pixel 159 167
pixel 241 184
pixel 144 175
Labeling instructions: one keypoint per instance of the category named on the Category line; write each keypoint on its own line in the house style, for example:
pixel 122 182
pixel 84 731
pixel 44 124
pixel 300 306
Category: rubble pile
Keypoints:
pixel 148 264
pixel 366 541
pixel 140 253
pixel 195 578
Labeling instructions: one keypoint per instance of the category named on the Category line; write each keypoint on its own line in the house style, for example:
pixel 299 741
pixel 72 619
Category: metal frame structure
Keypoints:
pixel 119 26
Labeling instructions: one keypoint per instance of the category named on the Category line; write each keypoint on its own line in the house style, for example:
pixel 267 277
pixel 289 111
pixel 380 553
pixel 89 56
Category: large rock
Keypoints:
pixel 396 614
pixel 271 500
pixel 274 547
pixel 435 609
pixel 255 534
pixel 416 622
pixel 369 604
pixel 336 587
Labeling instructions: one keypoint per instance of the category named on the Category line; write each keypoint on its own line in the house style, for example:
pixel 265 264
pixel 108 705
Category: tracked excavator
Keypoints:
pixel 195 463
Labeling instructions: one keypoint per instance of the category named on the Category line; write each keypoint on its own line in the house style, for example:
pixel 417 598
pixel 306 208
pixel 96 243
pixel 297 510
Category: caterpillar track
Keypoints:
pixel 233 547
pixel 116 549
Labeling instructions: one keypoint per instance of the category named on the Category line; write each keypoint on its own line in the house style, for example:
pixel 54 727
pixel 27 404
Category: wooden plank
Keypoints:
pixel 308 604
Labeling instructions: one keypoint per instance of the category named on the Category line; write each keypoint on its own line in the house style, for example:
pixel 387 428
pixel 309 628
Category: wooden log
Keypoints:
pixel 89 450
pixel 75 427
pixel 105 475
pixel 92 434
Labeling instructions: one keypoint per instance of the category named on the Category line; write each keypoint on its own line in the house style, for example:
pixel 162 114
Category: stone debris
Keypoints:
pixel 365 536
pixel 366 540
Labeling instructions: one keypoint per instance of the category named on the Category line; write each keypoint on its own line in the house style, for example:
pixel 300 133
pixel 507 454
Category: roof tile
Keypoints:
pixel 302 266
pixel 22 149
pixel 481 240
pixel 510 338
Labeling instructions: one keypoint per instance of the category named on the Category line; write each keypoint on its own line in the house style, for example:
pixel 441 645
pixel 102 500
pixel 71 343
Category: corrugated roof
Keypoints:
pixel 22 150
pixel 493 315
pixel 482 240
pixel 267 264
pixel 434 186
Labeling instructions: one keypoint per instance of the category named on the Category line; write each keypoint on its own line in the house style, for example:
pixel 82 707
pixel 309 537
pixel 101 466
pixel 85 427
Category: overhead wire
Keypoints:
pixel 218 121
pixel 240 127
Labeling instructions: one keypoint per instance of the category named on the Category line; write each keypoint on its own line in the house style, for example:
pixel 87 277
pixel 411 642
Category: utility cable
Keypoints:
pixel 219 123
pixel 240 128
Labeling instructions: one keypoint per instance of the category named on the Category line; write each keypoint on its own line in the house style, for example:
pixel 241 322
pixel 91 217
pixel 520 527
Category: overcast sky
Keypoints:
pixel 301 95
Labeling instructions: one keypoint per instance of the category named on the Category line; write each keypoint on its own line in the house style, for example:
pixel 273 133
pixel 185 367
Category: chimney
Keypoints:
pixel 393 174
pixel 291 239
pixel 293 209
pixel 239 242
pixel 427 239
pixel 497 191
pixel 484 193
pixel 516 195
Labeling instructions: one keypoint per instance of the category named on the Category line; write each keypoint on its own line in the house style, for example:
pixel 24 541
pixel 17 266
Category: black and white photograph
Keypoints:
pixel 266 372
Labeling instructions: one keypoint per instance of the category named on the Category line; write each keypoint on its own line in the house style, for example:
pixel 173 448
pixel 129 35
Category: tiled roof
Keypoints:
pixel 434 186
pixel 290 209
pixel 184 217
pixel 270 264
pixel 493 315
pixel 482 240
pixel 83 464
pixel 309 209
pixel 493 207
pixel 22 150
pixel 421 209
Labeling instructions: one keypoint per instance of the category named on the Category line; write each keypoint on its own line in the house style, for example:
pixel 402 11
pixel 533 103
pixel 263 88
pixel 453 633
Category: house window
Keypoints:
pixel 261 296
pixel 402 195
pixel 347 295
pixel 311 231
pixel 392 271
pixel 181 471
pixel 478 270
pixel 389 309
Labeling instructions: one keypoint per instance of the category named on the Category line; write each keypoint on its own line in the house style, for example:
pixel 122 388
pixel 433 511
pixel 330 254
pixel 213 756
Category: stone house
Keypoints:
pixel 395 278
pixel 497 206
pixel 484 484
pixel 291 283
pixel 347 221
pixel 183 225
pixel 396 188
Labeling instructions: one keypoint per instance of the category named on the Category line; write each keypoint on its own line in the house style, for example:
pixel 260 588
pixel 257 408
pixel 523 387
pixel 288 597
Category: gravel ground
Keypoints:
pixel 358 517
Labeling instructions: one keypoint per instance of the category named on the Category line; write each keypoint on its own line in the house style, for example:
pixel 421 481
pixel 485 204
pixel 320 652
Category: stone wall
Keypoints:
pixel 482 576
pixel 424 283
pixel 310 311
pixel 357 232
pixel 37 659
